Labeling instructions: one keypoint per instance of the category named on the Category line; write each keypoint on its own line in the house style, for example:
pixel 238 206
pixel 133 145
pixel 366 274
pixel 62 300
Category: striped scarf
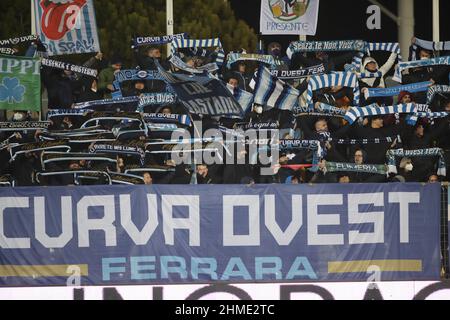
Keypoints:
pixel 353 167
pixel 355 66
pixel 264 58
pixel 368 75
pixel 274 93
pixel 430 152
pixel 393 91
pixel 180 64
pixel 357 112
pixel 298 74
pixel 244 98
pixel 338 45
pixel 417 64
pixel 436 89
pixel 345 79
pixel 200 43
pixel 385 46
pixel 429 45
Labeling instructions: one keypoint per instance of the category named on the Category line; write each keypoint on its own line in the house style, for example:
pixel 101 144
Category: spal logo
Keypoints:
pixel 287 10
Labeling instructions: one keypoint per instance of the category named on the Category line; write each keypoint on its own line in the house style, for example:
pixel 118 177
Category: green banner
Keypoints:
pixel 20 83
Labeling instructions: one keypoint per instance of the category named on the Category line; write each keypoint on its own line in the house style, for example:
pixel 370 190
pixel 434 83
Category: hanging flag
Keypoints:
pixel 20 83
pixel 289 17
pixel 66 26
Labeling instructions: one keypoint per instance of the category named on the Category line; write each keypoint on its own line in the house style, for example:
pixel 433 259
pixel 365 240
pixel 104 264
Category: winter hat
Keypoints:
pixel 404 93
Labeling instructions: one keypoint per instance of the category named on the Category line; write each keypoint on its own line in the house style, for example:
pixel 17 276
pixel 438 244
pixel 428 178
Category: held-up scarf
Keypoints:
pixel 151 99
pixel 118 148
pixel 385 46
pixel 430 152
pixel 162 117
pixel 26 125
pixel 417 64
pixel 357 112
pixel 244 98
pixel 156 40
pixel 338 45
pixel 393 91
pixel 200 43
pixel 7 51
pixel 364 141
pixel 365 75
pixel 429 45
pixel 320 109
pixel 67 112
pixel 298 74
pixel 345 79
pixel 180 64
pixel 103 102
pixel 16 41
pixel 70 67
pixel 436 89
pixel 353 167
pixel 264 58
pixel 38 146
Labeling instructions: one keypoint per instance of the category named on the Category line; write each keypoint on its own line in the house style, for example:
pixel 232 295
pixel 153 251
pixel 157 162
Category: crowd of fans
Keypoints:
pixel 27 161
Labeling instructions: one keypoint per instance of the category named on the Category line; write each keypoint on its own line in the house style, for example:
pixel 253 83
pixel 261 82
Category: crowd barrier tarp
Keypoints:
pixel 125 235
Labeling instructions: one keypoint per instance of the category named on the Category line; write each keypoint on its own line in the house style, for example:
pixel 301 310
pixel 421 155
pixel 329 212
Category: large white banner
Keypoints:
pixel 289 17
pixel 66 26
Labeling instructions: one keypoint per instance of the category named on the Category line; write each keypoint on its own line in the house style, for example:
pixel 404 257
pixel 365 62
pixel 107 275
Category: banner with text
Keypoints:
pixel 120 235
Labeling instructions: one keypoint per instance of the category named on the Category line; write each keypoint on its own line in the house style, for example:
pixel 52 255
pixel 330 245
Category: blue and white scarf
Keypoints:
pixel 180 64
pixel 357 112
pixel 152 99
pixel 364 141
pixel 70 67
pixel 385 46
pixel 200 43
pixel 157 40
pixel 244 98
pixel 345 79
pixel 429 45
pixel 264 58
pixel 368 75
pixel 417 64
pixel 299 73
pixel 430 152
pixel 67 112
pixel 274 93
pixel 103 102
pixel 393 91
pixel 162 117
pixel 338 45
pixel 436 89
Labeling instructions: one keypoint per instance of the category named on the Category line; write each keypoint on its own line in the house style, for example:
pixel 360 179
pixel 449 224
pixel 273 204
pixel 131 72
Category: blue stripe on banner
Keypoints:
pixel 79 35
pixel 283 96
pixel 271 88
pixel 38 18
pixel 88 23
pixel 69 36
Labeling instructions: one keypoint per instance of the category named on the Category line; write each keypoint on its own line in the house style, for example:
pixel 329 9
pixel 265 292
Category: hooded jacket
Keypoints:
pixel 384 69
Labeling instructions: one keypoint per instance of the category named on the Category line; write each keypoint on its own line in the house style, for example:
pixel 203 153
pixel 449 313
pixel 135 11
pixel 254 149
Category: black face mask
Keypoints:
pixel 276 52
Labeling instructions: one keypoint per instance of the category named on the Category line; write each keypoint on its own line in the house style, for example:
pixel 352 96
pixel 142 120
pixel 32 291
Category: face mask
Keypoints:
pixel 276 52
pixel 424 58
pixel 409 167
pixel 259 110
pixel 18 116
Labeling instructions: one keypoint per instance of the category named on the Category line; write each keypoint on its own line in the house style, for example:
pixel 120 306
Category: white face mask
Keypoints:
pixel 259 110
pixel 409 167
pixel 424 58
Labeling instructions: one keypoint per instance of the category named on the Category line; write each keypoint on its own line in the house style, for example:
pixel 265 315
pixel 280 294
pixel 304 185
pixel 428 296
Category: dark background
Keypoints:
pixel 346 19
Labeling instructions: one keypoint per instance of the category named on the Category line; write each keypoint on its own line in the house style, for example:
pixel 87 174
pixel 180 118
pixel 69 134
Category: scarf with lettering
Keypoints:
pixel 320 109
pixel 364 141
pixel 17 40
pixel 338 45
pixel 264 58
pixel 418 64
pixel 69 67
pixel 171 118
pixel 353 167
pixel 129 104
pixel 67 112
pixel 152 99
pixel 25 125
pixel 430 152
pixel 38 146
pixel 156 40
pixel 299 73
pixel 393 91
pixel 7 51
pixel 436 89
pixel 135 149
